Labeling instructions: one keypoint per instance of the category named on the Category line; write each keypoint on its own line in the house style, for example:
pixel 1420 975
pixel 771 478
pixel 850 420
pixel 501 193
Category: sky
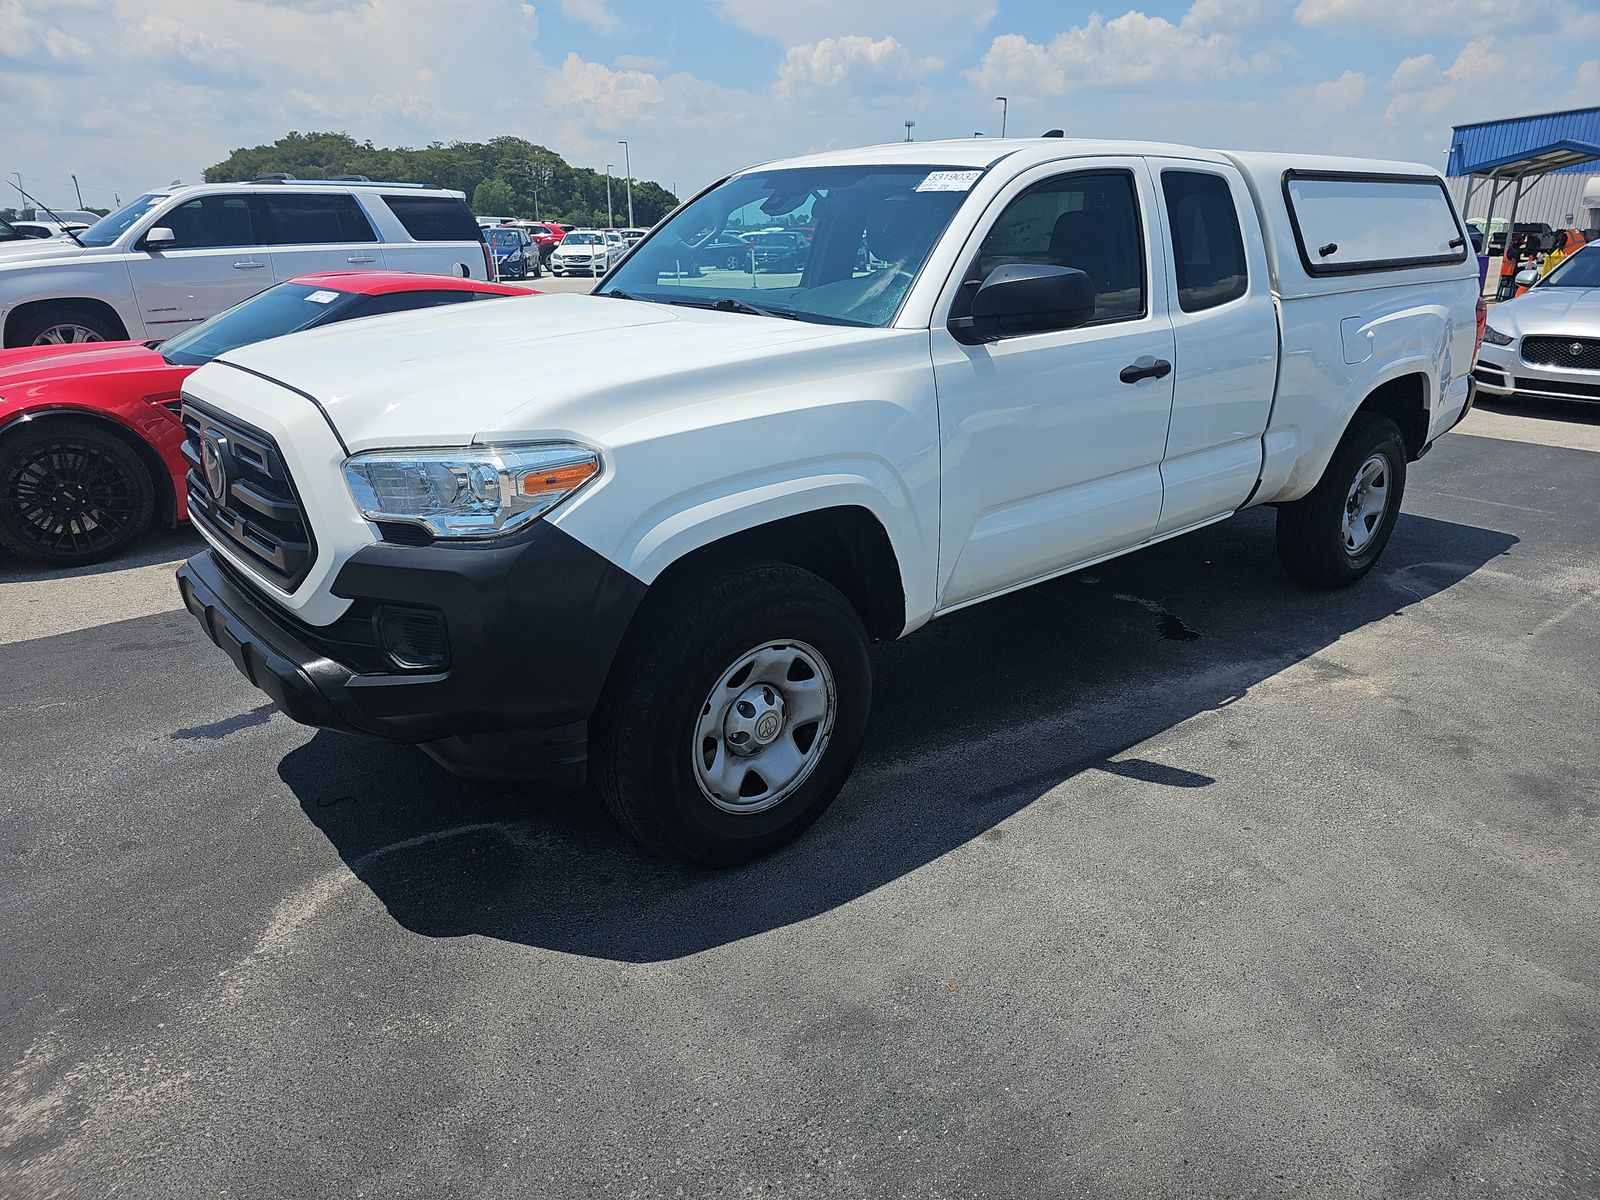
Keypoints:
pixel 130 94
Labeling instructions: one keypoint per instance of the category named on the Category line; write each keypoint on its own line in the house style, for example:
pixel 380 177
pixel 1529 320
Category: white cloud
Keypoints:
pixel 924 25
pixel 859 64
pixel 640 62
pixel 1425 18
pixel 1334 95
pixel 1233 14
pixel 592 13
pixel 1421 70
pixel 1133 48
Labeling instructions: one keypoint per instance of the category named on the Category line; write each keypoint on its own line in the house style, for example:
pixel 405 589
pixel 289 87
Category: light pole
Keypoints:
pixel 610 220
pixel 627 167
pixel 910 125
pixel 535 203
pixel 1004 105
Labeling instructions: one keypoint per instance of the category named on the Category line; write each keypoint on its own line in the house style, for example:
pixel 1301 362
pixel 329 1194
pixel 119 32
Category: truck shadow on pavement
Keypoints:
pixel 975 718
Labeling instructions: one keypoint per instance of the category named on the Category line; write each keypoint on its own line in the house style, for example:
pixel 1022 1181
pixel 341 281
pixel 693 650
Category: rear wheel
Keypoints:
pixel 1335 534
pixel 71 494
pixel 735 714
pixel 63 326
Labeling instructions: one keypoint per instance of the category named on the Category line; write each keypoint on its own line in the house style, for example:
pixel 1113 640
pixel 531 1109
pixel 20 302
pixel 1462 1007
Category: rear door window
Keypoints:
pixel 1207 246
pixel 1347 222
pixel 308 219
pixel 435 218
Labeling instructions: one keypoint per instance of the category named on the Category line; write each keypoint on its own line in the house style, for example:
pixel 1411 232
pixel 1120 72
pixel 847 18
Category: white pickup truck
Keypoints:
pixel 666 549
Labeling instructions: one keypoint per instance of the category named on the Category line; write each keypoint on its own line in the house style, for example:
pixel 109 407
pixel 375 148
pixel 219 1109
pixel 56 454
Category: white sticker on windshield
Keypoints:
pixel 949 181
pixel 322 297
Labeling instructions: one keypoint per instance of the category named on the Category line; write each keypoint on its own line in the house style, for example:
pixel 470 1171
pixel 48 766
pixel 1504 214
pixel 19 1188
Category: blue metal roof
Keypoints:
pixel 1487 144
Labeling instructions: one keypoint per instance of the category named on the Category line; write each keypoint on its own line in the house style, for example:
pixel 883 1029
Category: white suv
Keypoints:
pixel 173 258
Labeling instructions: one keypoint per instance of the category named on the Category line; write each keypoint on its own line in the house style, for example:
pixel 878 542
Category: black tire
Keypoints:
pixel 42 326
pixel 677 655
pixel 1312 537
pixel 71 494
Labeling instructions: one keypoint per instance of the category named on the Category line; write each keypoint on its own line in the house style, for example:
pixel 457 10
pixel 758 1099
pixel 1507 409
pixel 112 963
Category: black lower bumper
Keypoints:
pixel 532 623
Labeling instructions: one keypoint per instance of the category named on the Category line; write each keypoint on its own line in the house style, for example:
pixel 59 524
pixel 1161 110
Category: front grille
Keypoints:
pixel 258 514
pixel 1560 387
pixel 1546 351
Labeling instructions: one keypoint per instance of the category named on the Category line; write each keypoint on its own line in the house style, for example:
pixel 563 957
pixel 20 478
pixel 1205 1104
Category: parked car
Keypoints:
pixel 545 236
pixel 586 252
pixel 1529 238
pixel 630 236
pixel 173 258
pixel 779 250
pixel 90 440
pixel 1546 342
pixel 717 249
pixel 515 254
pixel 37 230
pixel 685 539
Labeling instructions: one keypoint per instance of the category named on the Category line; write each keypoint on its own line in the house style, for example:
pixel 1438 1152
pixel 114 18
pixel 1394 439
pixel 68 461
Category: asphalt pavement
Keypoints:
pixel 1168 878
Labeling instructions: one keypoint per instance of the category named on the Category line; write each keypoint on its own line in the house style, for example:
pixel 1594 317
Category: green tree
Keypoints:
pixel 538 180
pixel 493 197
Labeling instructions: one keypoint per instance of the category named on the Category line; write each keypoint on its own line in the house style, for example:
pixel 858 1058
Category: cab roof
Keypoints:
pixel 982 153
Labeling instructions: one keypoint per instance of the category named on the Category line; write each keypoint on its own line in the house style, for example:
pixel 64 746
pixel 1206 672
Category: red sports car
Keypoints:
pixel 89 433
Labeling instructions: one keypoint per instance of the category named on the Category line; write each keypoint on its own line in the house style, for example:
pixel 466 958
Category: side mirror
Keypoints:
pixel 1528 276
pixel 1026 298
pixel 159 236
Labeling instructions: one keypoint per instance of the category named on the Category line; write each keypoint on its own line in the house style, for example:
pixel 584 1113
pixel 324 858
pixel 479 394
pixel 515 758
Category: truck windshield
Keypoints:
pixel 108 229
pixel 854 239
pixel 1582 270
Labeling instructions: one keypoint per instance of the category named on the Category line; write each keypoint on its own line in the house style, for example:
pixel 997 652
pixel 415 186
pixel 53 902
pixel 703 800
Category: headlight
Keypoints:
pixel 470 493
pixel 1495 338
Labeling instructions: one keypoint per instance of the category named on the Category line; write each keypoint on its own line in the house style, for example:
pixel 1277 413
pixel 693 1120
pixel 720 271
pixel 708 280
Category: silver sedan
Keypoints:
pixel 1546 342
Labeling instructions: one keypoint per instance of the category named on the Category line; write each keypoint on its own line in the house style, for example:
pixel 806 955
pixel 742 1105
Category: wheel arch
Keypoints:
pixel 29 308
pixel 845 544
pixel 166 494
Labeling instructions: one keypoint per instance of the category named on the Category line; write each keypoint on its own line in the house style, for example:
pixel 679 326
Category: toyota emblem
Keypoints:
pixel 214 460
pixel 1575 349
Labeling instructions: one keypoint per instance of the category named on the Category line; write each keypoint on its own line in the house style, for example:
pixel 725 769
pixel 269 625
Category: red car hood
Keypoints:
pixel 90 374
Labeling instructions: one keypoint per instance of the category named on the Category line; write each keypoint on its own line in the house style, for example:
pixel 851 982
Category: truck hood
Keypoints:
pixel 561 366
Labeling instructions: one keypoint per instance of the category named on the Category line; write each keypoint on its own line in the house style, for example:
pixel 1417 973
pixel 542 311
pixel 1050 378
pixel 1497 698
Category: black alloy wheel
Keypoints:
pixel 71 495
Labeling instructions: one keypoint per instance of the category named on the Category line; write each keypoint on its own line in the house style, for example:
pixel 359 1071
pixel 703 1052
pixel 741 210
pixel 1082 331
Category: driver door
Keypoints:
pixel 1052 441
pixel 213 262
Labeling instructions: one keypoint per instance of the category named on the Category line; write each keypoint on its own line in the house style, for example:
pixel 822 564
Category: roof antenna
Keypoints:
pixel 1054 133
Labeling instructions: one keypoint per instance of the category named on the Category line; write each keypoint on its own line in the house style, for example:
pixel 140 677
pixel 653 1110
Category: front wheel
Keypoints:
pixel 71 494
pixel 735 713
pixel 1335 533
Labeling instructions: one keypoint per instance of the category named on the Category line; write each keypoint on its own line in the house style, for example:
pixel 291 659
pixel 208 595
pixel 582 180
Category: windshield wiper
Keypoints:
pixel 619 294
pixel 734 304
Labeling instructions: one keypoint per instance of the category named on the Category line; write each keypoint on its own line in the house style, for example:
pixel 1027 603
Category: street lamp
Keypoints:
pixel 628 168
pixel 610 220
pixel 1004 105
pixel 910 125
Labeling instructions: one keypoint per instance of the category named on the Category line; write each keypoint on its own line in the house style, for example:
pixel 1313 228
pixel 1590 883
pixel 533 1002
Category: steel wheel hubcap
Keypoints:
pixel 764 727
pixel 67 334
pixel 1366 503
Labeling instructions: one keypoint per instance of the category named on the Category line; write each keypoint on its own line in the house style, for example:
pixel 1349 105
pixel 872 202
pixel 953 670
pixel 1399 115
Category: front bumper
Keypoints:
pixel 532 625
pixel 1500 371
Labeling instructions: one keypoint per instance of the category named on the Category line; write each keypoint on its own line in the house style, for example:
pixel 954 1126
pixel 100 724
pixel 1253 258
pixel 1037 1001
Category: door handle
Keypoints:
pixel 360 258
pixel 248 266
pixel 1145 367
